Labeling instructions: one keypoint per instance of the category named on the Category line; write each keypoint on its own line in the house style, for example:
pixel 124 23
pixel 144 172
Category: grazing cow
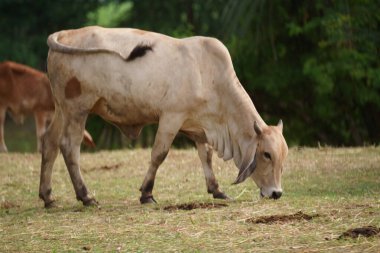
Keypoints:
pixel 23 91
pixel 132 78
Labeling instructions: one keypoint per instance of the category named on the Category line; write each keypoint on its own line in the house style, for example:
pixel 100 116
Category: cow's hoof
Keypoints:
pixel 50 204
pixel 220 195
pixel 91 202
pixel 147 200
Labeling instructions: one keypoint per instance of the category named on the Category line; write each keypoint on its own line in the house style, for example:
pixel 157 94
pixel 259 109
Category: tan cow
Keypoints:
pixel 132 78
pixel 24 91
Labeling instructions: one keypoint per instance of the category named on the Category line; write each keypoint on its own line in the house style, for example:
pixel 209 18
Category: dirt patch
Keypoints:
pixel 355 206
pixel 282 218
pixel 363 231
pixel 105 167
pixel 8 205
pixel 191 206
pixel 86 248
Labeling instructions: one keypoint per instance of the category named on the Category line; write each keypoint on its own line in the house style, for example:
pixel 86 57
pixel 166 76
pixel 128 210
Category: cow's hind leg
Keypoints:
pixel 70 148
pixel 41 122
pixel 50 147
pixel 205 154
pixel 168 128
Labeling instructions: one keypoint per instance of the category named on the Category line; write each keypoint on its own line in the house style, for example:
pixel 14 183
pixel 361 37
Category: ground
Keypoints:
pixel 327 192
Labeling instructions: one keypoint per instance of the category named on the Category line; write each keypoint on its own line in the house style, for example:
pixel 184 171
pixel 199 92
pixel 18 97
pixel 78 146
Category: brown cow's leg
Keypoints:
pixel 70 148
pixel 40 120
pixel 167 129
pixel 3 147
pixel 205 154
pixel 50 142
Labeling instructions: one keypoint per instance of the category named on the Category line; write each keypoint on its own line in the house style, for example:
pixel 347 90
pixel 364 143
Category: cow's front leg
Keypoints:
pixel 168 128
pixel 205 154
pixel 3 147
pixel 70 148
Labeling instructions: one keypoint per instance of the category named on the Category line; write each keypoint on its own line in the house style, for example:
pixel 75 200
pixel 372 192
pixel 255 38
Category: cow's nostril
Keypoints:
pixel 276 195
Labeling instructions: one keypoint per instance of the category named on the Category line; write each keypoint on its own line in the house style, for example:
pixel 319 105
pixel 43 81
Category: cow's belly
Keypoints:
pixel 123 113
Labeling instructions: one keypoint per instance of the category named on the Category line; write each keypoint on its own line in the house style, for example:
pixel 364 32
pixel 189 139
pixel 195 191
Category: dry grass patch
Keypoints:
pixel 338 188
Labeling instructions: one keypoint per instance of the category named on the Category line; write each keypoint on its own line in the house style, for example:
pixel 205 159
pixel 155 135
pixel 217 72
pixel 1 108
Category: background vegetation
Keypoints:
pixel 315 64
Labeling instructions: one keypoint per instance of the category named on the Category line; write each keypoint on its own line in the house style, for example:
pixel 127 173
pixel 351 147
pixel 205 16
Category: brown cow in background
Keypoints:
pixel 25 91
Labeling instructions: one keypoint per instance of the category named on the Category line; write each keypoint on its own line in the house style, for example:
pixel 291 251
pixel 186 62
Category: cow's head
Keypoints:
pixel 268 162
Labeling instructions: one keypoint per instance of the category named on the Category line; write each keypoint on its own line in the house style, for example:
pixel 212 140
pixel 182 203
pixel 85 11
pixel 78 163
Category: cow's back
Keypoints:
pixel 6 86
pixel 24 89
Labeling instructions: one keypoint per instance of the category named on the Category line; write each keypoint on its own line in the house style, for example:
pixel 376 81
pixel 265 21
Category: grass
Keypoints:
pixel 338 187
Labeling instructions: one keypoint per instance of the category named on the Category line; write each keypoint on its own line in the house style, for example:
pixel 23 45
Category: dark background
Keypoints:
pixel 314 64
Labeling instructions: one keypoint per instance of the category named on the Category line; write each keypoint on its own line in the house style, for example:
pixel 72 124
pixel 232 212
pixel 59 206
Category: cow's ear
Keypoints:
pixel 257 128
pixel 280 125
pixel 245 172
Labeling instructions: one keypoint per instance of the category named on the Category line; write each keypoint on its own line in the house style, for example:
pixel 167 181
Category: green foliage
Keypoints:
pixel 25 25
pixel 315 64
pixel 110 15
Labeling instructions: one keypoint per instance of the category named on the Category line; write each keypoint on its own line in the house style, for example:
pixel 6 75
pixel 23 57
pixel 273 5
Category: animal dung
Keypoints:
pixel 191 206
pixel 282 218
pixel 367 231
pixel 8 205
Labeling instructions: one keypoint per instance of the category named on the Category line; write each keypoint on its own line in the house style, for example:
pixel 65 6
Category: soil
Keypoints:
pixel 8 205
pixel 363 231
pixel 191 206
pixel 105 167
pixel 282 218
pixel 86 248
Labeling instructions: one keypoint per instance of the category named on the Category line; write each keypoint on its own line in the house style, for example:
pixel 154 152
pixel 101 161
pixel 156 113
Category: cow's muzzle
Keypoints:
pixel 273 195
pixel 276 195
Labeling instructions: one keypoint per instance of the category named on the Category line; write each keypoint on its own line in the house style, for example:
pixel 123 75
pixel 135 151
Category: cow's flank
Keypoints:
pixel 73 89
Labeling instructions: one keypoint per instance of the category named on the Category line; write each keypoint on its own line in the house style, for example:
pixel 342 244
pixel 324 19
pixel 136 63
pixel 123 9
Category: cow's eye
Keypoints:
pixel 267 156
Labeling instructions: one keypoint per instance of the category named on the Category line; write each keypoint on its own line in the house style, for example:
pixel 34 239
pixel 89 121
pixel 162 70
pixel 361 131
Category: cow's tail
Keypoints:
pixel 56 46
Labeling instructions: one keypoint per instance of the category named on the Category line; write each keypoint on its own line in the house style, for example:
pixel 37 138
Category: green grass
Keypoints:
pixel 341 186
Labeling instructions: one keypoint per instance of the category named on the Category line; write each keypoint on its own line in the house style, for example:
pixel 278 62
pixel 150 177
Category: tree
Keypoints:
pixel 314 63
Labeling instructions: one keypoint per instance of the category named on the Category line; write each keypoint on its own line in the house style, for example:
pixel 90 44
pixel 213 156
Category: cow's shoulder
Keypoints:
pixel 213 48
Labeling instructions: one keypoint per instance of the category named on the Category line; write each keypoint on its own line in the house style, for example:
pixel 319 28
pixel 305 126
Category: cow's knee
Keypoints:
pixel 158 158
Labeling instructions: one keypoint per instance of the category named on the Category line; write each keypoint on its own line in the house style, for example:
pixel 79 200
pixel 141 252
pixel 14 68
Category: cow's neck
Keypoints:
pixel 233 137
